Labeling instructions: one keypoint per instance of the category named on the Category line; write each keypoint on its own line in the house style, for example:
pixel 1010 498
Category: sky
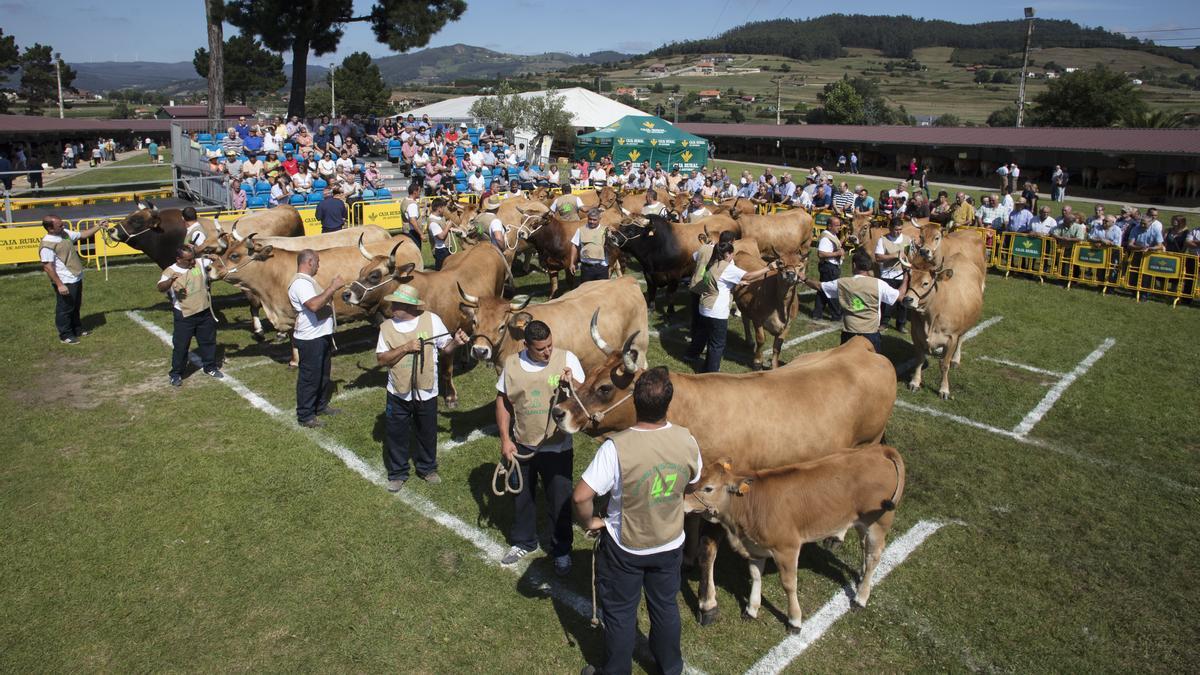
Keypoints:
pixel 171 30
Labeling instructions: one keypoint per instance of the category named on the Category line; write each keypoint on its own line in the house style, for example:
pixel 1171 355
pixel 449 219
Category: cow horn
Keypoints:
pixel 595 331
pixel 522 211
pixel 223 243
pixel 623 211
pixel 250 241
pixel 391 259
pixel 217 225
pixel 467 298
pixel 520 302
pixel 363 249
pixel 627 358
pixel 236 236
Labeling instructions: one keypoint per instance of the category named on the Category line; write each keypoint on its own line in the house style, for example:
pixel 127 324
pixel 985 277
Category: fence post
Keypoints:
pixel 7 206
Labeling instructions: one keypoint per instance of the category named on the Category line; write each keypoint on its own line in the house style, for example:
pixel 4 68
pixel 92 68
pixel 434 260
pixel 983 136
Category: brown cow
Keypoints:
pixel 497 327
pixel 478 272
pixel 775 512
pixel 935 245
pixel 789 231
pixel 850 389
pixel 770 304
pixel 1120 178
pixel 947 299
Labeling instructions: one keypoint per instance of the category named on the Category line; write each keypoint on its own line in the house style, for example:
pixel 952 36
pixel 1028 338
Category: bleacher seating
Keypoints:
pixel 262 187
pixel 247 187
pixel 368 193
pixel 257 202
pixel 204 138
pixel 383 193
pixel 315 198
pixel 320 184
pixel 297 200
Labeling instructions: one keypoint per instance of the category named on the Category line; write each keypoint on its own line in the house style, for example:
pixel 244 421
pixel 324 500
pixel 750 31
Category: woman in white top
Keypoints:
pixel 721 276
pixel 302 182
pixel 598 178
pixel 327 168
pixel 270 144
pixel 280 190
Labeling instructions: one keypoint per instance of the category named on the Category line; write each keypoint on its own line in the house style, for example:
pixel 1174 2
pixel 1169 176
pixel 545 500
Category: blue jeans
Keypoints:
pixel 873 338
pixel 710 335
pixel 553 470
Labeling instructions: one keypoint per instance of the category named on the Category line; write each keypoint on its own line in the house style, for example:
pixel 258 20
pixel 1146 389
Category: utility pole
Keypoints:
pixel 332 93
pixel 1024 68
pixel 58 77
pixel 778 100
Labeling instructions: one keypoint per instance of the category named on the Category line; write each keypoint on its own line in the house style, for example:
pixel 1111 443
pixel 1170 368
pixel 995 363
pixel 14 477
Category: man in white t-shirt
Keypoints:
pixel 529 439
pixel 62 264
pixel 439 232
pixel 598 177
pixel 862 298
pixel 312 337
pixel 194 234
pixel 186 284
pixel 889 252
pixel 899 194
pixel 1045 223
pixel 645 470
pixel 477 183
pixel 829 267
pixel 409 345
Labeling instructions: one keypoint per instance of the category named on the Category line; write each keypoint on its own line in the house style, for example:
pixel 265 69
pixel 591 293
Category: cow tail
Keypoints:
pixel 898 463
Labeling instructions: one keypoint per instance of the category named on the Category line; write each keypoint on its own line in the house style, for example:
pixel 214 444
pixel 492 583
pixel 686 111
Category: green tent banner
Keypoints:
pixel 644 139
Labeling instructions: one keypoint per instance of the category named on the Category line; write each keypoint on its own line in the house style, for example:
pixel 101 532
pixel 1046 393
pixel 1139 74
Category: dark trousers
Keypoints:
pixel 896 309
pixel 553 470
pixel 204 328
pixel 439 257
pixel 402 418
pixel 621 578
pixel 66 310
pixel 710 334
pixel 873 338
pixel 592 272
pixel 694 303
pixel 312 382
pixel 828 272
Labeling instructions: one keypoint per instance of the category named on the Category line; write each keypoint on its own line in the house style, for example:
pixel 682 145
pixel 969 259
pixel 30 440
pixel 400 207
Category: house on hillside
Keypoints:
pixel 400 101
pixel 706 68
pixel 925 120
pixel 630 91
pixel 746 100
pixel 707 95
pixel 657 68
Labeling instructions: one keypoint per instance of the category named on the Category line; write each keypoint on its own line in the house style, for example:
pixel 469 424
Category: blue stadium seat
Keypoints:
pixel 297 200
pixel 320 184
pixel 212 147
pixel 247 187
pixel 459 152
pixel 204 138
pixel 262 187
pixel 220 136
pixel 257 202
pixel 393 153
pixel 315 198
pixel 383 193
pixel 368 193
pixel 289 147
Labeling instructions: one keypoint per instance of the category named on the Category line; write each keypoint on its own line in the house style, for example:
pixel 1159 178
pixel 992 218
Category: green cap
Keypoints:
pixel 405 294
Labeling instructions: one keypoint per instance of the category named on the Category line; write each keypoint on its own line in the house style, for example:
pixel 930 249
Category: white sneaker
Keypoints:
pixel 514 555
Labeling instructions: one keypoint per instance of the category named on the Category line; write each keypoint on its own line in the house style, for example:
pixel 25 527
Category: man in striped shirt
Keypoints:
pixel 843 201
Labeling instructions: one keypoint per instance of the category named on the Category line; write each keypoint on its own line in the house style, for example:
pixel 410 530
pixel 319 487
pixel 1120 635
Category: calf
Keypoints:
pixel 777 511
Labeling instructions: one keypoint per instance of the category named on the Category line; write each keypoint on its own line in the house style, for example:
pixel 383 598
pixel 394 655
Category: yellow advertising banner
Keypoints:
pixel 311 224
pixel 20 244
pixel 384 214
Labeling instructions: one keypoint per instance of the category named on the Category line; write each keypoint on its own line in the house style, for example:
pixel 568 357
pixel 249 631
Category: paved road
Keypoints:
pixel 90 210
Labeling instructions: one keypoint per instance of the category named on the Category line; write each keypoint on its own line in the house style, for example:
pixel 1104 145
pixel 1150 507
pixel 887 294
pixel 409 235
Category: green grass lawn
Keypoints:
pixel 147 528
pixel 134 171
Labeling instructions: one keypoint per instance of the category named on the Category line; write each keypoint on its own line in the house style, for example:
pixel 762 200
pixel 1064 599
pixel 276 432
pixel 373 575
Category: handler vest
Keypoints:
pixel 192 231
pixel 409 224
pixel 326 311
pixel 531 395
pixel 591 243
pixel 894 268
pixel 483 224
pixel 194 298
pixel 699 213
pixel 655 467
pixel 709 289
pixel 859 297
pixel 566 207
pixel 706 251
pixel 401 374
pixel 65 251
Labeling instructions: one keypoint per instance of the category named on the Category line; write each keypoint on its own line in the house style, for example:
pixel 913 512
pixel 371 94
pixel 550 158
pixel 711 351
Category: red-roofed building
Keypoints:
pixel 200 112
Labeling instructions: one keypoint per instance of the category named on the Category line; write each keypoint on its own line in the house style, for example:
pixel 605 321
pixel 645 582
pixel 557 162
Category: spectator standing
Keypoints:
pixel 1175 240
pixel 1045 223
pixel 312 337
pixel 1030 195
pixel 186 285
pixel 1142 237
pixel 1014 179
pixel 912 171
pixel 237 196
pixel 62 264
pixel 853 162
pixel 152 150
pixel 1021 219
pixel 1058 181
pixel 1105 231
pixel 1192 243
pixel 1002 173
pixel 35 172
pixel 647 560
pixel 542 452
pixel 332 210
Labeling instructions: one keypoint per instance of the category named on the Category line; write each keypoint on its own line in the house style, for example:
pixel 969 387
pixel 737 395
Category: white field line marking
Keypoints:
pixel 491 551
pixel 818 623
pixel 476 434
pixel 354 392
pixel 249 363
pixel 768 348
pixel 934 412
pixel 1057 390
pixel 1022 366
pixel 969 335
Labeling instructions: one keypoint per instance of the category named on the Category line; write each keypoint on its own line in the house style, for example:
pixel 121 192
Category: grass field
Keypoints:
pixel 131 171
pixel 146 528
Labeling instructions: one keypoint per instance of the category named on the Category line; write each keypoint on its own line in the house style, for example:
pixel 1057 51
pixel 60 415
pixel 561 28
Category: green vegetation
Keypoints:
pixel 147 527
pixel 1097 97
pixel 130 178
pixel 39 84
pixel 250 70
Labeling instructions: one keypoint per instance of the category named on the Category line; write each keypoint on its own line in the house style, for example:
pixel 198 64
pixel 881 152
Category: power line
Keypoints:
pixel 1158 30
pixel 1178 39
pixel 718 19
pixel 751 12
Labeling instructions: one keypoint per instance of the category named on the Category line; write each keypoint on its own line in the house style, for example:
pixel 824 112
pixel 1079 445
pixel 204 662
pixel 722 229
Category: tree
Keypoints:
pixel 1001 77
pixel 9 57
pixel 249 69
pixel 1097 97
pixel 38 84
pixel 947 120
pixel 318 101
pixel 214 14
pixel 546 115
pixel 317 26
pixel 121 111
pixel 785 67
pixel 359 86
pixel 737 116
pixel 1161 119
pixel 841 104
pixel 505 110
pixel 657 88
pixel 1004 117
pixel 983 76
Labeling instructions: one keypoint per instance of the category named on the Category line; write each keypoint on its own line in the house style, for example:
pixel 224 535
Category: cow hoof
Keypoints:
pixel 709 617
pixel 258 336
pixel 945 395
pixel 293 364
pixel 793 630
pixel 832 543
pixel 747 616
pixel 860 602
pixel 914 387
pixel 451 404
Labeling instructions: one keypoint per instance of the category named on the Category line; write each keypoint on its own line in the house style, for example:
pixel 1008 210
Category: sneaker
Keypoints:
pixel 70 340
pixel 215 373
pixel 562 565
pixel 330 411
pixel 176 381
pixel 514 555
pixel 313 423
pixel 588 670
pixel 84 333
pixel 432 478
pixel 396 484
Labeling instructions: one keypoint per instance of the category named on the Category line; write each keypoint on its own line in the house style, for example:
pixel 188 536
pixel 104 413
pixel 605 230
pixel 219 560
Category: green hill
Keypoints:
pixel 455 62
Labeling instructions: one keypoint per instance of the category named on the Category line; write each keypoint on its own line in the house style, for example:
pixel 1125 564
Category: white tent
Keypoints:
pixel 587 108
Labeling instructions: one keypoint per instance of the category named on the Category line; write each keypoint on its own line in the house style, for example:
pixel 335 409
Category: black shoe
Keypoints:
pixel 70 340
pixel 215 373
pixel 176 381
pixel 313 423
